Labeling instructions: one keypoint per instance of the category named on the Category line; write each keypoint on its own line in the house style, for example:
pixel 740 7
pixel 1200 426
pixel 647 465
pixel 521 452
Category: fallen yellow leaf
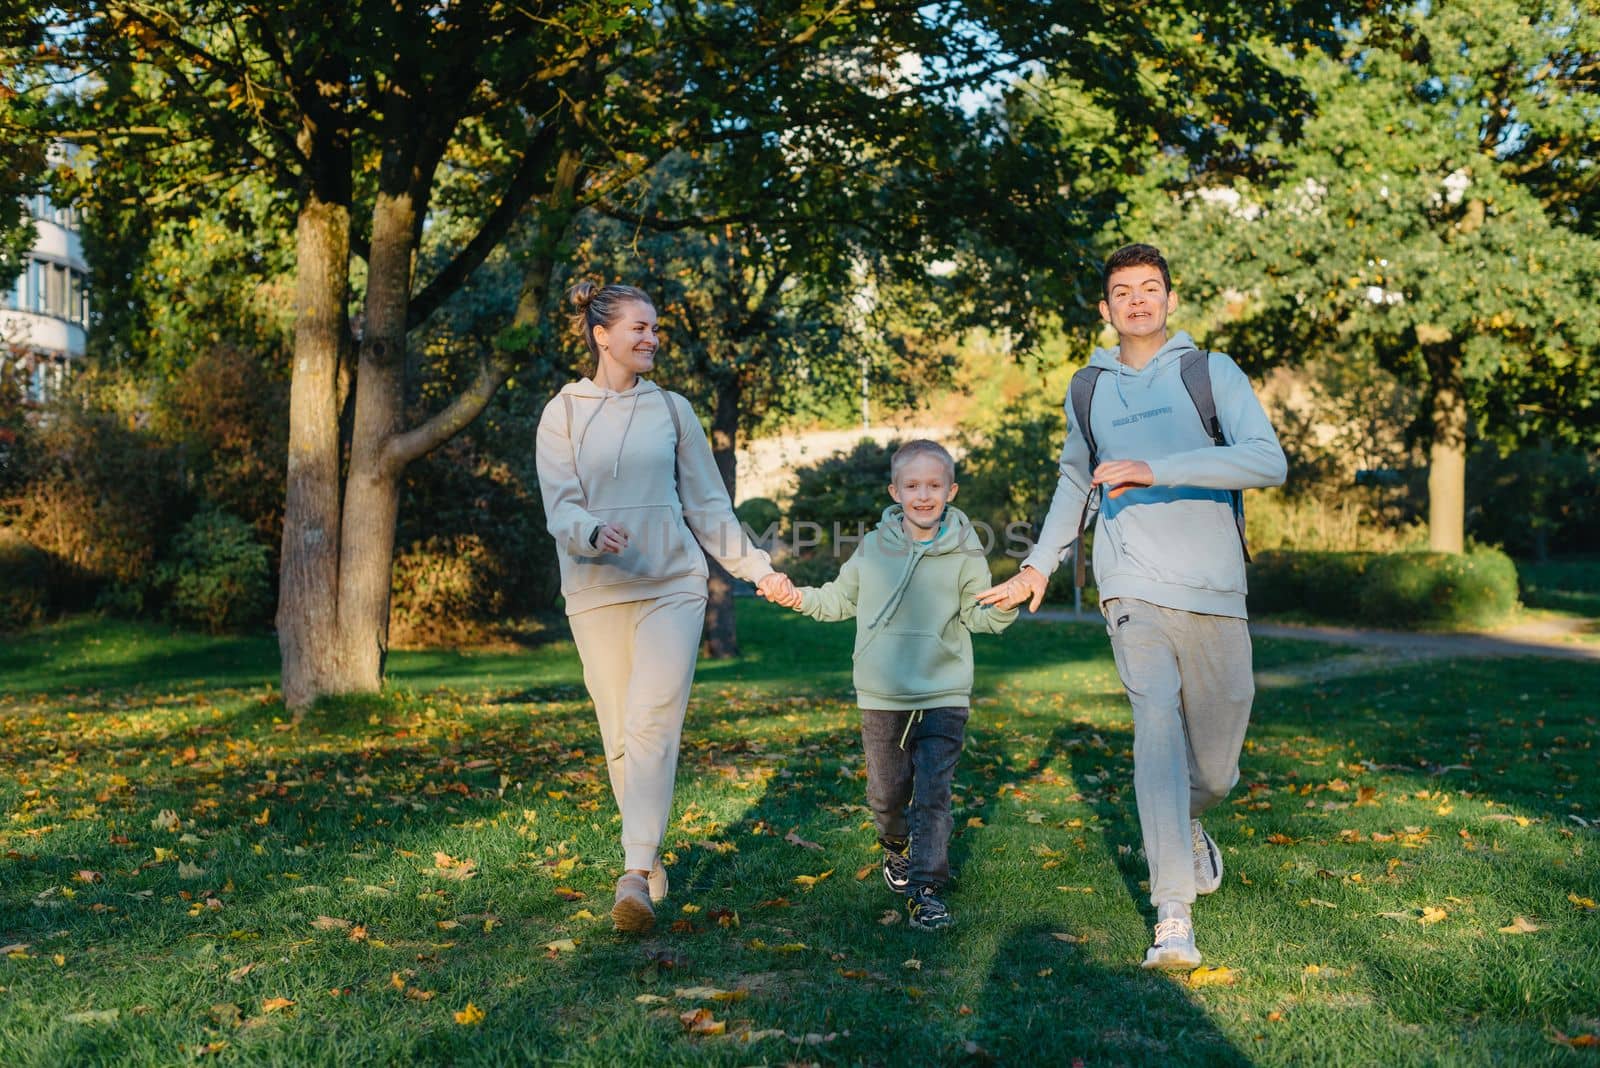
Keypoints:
pixel 809 881
pixel 562 945
pixel 1519 926
pixel 470 1016
pixel 1432 915
pixel 1585 903
pixel 274 1004
pixel 701 1022
pixel 1207 976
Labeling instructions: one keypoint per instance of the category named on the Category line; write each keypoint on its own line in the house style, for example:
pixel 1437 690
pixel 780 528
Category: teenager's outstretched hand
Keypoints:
pixel 1026 585
pixel 1123 475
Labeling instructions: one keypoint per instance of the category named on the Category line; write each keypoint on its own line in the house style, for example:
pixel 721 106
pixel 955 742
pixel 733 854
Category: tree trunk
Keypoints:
pixel 372 489
pixel 721 633
pixel 1447 461
pixel 307 617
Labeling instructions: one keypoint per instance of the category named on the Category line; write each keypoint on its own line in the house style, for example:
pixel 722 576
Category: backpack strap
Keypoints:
pixel 1194 367
pixel 1080 395
pixel 677 431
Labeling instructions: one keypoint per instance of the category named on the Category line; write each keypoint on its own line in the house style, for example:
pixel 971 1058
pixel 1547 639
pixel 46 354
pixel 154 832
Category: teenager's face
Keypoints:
pixel 922 489
pixel 631 342
pixel 1138 302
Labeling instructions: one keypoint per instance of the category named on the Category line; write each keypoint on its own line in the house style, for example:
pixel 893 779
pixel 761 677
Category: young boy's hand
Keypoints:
pixel 779 589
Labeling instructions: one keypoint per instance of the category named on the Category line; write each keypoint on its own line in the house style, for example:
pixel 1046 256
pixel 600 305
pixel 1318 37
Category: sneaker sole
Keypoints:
pixel 893 889
pixel 945 926
pixel 632 917
pixel 1170 961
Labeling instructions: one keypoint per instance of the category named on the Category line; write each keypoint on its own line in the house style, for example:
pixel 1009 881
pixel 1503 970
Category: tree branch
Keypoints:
pixel 449 421
pixel 518 192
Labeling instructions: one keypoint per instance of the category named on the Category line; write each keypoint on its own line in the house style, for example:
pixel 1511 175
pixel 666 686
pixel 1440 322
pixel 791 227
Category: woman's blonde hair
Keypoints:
pixel 600 306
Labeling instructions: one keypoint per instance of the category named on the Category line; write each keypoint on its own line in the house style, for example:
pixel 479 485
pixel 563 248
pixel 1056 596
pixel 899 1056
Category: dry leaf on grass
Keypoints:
pixel 809 881
pixel 701 1022
pixel 1431 915
pixel 890 917
pixel 1520 925
pixel 330 923
pixel 1071 939
pixel 1586 904
pixel 1207 976
pixel 793 838
pixel 470 1016
pixel 276 1004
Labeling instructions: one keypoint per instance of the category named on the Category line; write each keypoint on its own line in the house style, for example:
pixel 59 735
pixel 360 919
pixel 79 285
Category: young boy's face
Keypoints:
pixel 922 488
pixel 1138 301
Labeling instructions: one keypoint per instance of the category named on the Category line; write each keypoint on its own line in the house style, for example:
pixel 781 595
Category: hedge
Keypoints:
pixel 1409 589
pixel 24 581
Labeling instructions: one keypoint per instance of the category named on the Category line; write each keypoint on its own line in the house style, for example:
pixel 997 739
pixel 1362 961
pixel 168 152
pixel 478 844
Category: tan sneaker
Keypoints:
pixel 632 913
pixel 658 883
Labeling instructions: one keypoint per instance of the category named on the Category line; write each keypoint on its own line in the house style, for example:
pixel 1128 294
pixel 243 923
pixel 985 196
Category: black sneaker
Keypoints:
pixel 928 913
pixel 897 867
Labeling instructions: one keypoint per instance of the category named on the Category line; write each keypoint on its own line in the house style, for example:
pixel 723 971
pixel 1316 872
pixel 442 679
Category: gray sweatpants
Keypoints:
pixel 638 664
pixel 1188 678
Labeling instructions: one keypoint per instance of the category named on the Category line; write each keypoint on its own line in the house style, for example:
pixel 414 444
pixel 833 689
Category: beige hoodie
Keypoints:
pixel 615 464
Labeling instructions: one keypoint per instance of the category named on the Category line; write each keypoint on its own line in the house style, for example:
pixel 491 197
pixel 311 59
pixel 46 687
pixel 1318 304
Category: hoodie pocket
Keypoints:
pixel 659 547
pixel 906 663
pixel 1190 543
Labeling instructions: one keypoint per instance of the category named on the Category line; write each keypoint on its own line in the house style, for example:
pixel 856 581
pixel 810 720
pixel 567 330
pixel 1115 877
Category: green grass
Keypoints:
pixel 1569 585
pixel 1443 785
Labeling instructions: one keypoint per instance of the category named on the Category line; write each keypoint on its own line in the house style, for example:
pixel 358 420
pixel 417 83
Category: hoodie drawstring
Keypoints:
pixel 915 717
pixel 616 467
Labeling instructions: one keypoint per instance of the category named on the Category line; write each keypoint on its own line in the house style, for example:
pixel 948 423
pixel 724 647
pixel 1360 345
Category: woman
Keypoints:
pixel 627 478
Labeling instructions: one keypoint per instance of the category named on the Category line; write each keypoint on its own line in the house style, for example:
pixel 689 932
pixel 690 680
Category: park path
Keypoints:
pixel 1378 649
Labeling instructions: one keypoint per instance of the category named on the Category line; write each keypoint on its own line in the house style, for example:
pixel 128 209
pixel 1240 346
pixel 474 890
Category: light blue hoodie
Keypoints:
pixel 1174 543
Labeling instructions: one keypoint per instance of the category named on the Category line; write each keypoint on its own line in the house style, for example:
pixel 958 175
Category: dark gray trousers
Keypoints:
pixel 908 788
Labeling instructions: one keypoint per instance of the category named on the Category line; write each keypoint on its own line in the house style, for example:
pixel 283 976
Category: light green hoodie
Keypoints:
pixel 915 606
pixel 624 460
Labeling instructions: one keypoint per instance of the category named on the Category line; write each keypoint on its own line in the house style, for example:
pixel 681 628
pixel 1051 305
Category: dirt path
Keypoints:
pixel 1378 649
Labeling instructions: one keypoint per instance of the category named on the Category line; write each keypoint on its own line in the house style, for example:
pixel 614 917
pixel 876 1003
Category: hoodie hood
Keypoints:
pixel 1166 358
pixel 589 391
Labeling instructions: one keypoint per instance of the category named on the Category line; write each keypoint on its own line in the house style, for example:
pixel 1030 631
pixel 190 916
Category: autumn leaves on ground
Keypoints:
pixel 1412 867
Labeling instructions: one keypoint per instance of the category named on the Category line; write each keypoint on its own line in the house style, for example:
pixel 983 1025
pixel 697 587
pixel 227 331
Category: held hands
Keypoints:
pixel 780 590
pixel 1123 475
pixel 1026 585
pixel 611 539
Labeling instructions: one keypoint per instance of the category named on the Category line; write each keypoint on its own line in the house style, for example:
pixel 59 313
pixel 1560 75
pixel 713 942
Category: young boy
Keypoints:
pixel 1169 564
pixel 912 586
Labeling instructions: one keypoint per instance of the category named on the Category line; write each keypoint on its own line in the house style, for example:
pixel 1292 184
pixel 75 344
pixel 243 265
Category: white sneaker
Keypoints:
pixel 1207 860
pixel 658 883
pixel 1174 945
pixel 632 913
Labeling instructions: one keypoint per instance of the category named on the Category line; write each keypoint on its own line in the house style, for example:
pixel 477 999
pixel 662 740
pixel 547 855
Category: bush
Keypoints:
pixel 759 514
pixel 24 581
pixel 218 575
pixel 1407 589
pixel 443 589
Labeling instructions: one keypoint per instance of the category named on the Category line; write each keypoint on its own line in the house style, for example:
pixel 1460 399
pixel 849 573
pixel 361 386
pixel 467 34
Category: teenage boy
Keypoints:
pixel 1169 562
pixel 912 588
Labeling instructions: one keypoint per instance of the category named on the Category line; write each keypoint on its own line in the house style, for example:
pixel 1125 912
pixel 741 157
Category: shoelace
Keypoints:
pixel 1173 929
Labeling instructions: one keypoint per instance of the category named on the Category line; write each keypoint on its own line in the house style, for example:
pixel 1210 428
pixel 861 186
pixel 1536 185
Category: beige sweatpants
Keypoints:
pixel 638 663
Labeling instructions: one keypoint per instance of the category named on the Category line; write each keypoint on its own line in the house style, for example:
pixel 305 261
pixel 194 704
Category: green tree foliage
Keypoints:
pixel 364 122
pixel 1428 224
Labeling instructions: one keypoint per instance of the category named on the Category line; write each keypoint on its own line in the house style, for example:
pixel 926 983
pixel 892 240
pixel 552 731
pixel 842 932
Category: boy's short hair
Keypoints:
pixel 1134 256
pixel 921 447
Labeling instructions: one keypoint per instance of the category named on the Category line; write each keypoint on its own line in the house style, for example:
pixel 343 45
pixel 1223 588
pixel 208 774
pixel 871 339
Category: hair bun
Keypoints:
pixel 581 294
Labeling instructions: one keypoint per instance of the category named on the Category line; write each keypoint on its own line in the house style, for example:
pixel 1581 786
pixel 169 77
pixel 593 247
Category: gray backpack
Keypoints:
pixel 1194 367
